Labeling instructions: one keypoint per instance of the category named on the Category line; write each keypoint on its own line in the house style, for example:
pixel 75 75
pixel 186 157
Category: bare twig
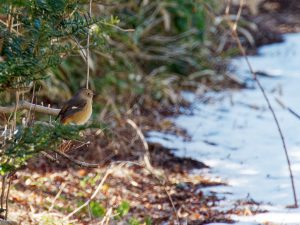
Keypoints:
pixel 10 20
pixel 234 26
pixel 172 203
pixel 117 27
pixel 3 185
pixel 77 162
pixel 261 88
pixel 57 196
pixel 29 106
pixel 88 50
pixel 107 216
pixel 29 111
pixel 100 185
pixel 6 200
pixel 287 108
pixel 148 165
pixel 145 144
pixel 50 157
pixel 16 109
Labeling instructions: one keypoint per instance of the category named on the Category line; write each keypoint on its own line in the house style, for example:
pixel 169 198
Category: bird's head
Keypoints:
pixel 85 93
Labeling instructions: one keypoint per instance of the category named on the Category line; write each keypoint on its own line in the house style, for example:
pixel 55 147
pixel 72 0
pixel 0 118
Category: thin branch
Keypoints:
pixel 10 19
pixel 57 196
pixel 6 200
pixel 100 185
pixel 148 165
pixel 287 108
pixel 107 216
pixel 171 201
pixel 238 16
pixel 117 27
pixel 29 106
pixel 77 162
pixel 3 185
pixel 261 88
pixel 16 108
pixel 88 50
pixel 143 139
pixel 147 158
pixel 32 99
pixel 50 157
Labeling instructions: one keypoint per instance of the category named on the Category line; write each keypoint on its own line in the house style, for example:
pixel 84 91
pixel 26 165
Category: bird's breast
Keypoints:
pixel 80 117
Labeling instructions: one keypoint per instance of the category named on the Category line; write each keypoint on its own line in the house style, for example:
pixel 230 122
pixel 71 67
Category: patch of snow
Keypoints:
pixel 239 223
pixel 236 136
pixel 278 217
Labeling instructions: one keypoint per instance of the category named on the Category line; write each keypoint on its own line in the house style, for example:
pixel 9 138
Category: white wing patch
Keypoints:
pixel 74 107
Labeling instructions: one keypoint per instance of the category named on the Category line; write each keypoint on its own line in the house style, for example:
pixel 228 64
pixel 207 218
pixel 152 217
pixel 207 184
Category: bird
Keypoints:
pixel 78 109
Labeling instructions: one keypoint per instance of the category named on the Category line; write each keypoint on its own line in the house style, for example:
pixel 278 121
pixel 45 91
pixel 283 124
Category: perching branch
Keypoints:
pixel 29 106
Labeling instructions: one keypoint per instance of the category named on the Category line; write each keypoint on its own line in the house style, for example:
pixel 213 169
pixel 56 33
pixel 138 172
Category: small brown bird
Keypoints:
pixel 78 109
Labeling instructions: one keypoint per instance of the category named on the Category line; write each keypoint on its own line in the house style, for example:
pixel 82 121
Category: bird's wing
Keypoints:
pixel 70 107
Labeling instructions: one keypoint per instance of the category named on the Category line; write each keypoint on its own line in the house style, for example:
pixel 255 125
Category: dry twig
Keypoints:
pixel 6 200
pixel 88 50
pixel 100 185
pixel 77 162
pixel 149 167
pixel 280 102
pixel 57 196
pixel 261 88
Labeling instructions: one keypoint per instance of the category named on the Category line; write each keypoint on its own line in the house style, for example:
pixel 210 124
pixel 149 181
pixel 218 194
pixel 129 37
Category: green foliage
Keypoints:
pixel 148 220
pixel 123 209
pixel 97 209
pixel 167 32
pixel 47 32
pixel 168 37
pixel 135 221
pixel 29 141
pixel 189 15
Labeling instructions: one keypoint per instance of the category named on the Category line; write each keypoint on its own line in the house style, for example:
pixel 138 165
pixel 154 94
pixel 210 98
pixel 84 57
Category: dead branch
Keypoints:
pixel 3 186
pixel 280 102
pixel 108 172
pixel 28 106
pixel 233 27
pixel 143 140
pixel 77 162
pixel 6 200
pixel 50 157
pixel 88 50
pixel 57 196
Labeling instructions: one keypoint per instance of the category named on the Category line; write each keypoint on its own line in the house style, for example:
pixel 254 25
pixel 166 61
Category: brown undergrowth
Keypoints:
pixel 46 197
